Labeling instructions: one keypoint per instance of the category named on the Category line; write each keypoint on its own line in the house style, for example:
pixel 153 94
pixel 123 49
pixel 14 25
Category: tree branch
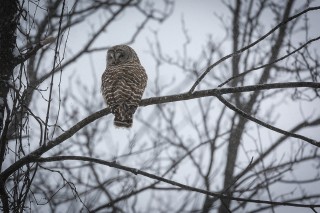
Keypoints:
pixel 249 46
pixel 22 58
pixel 249 117
pixel 174 183
pixel 270 63
pixel 150 101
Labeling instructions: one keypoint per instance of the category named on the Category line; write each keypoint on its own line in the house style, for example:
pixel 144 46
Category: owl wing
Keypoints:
pixel 137 82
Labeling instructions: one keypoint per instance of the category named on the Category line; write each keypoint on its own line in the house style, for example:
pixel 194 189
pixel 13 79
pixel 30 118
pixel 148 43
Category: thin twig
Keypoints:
pixel 249 46
pixel 22 58
pixel 171 182
pixel 273 128
pixel 268 64
pixel 52 76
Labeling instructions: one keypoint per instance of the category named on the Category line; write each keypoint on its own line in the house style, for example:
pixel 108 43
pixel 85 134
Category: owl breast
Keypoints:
pixel 123 84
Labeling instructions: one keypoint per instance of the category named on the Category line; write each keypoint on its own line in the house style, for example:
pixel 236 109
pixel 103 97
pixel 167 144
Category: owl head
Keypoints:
pixel 121 54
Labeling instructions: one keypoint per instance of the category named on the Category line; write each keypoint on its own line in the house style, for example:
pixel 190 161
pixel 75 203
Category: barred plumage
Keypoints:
pixel 123 83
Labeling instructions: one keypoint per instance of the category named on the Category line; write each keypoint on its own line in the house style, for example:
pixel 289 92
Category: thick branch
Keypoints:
pixel 64 136
pixel 150 101
pixel 174 183
pixel 230 90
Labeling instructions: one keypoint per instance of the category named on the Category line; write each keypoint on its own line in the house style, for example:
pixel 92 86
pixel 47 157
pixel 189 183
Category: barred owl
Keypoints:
pixel 123 83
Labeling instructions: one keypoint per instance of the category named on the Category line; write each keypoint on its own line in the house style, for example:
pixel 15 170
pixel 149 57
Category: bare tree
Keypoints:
pixel 216 147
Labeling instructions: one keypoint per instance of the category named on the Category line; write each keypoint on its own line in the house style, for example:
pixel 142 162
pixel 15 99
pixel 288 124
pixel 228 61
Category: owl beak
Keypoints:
pixel 117 56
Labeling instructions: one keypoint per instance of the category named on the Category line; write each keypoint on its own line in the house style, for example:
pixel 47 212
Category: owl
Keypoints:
pixel 123 83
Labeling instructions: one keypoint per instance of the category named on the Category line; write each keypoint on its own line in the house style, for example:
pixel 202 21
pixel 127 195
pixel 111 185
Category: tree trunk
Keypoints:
pixel 8 25
pixel 236 133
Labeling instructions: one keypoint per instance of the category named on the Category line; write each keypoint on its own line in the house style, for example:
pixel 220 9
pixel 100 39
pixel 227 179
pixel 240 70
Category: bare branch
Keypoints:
pixel 249 117
pixel 22 58
pixel 271 63
pixel 159 100
pixel 249 46
pixel 165 180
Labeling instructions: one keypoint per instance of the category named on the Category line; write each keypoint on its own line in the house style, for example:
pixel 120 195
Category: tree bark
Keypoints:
pixel 8 25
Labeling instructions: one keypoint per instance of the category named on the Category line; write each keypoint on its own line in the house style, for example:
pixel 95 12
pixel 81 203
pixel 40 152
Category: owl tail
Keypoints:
pixel 123 115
